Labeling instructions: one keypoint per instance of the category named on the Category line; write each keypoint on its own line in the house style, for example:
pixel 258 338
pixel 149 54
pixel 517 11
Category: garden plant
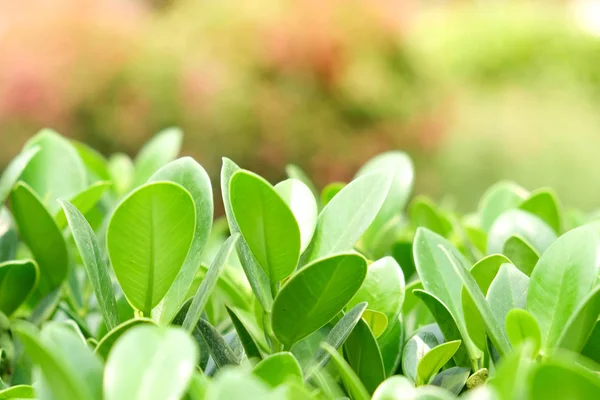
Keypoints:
pixel 117 282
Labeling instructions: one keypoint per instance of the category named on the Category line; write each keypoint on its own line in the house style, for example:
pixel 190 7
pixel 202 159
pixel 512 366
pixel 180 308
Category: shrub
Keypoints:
pixel 115 283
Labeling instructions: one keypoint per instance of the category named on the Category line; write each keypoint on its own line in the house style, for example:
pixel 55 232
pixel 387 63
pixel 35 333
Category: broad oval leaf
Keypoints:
pixel 522 223
pixel 278 368
pixel 266 223
pixel 193 178
pixel 364 356
pixel 18 279
pixel 295 172
pixel 301 201
pixel 452 379
pixel 108 341
pixel 521 326
pixel 497 199
pixel 507 291
pixel 562 380
pixel 414 350
pixel 581 323
pixel 434 360
pixel 84 201
pixel 544 204
pixel 148 239
pixel 423 213
pixel 521 253
pixel 150 363
pixel 41 234
pixel 158 152
pixel 344 219
pixel 561 280
pixel 95 163
pixel 316 294
pixel 352 382
pixel 14 170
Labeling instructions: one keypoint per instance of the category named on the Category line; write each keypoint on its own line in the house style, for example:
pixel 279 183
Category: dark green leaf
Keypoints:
pixel 576 332
pixel 248 342
pixel 352 382
pixel 521 253
pixel 452 379
pixel 18 279
pixel 220 351
pixel 544 203
pixel 364 356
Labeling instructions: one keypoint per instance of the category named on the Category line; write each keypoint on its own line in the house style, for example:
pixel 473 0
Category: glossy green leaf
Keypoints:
pixel 592 346
pixel 414 350
pixel 295 172
pixel 95 263
pixel 364 356
pixel 257 277
pixel 122 171
pixel 18 392
pixel 301 201
pixel 383 289
pixel 9 238
pixel 356 389
pixel 248 342
pixel 95 163
pixel 330 191
pixel 446 323
pixel 434 360
pixel 266 223
pixel 402 252
pixel 148 239
pixel 497 199
pixel 521 223
pixel 220 351
pixel 277 369
pixel 110 338
pixel 158 152
pixel 521 253
pixel 344 219
pixel 377 321
pixel 56 171
pixel 581 323
pixel 14 170
pixel 208 284
pixel 84 201
pixel 423 213
pixel 452 379
pixel 39 231
pixel 18 279
pixel 521 326
pixel 544 204
pixel 67 365
pixel 562 380
pixel 150 363
pixel 561 280
pixel 507 291
pixel 391 344
pixel 316 294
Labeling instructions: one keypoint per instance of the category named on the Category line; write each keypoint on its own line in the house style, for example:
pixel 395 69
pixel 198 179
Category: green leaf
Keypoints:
pixel 277 369
pixel 544 204
pixel 148 239
pixel 563 380
pixel 238 384
pixel 295 172
pixel 18 279
pixel 39 231
pixel 507 291
pixel 364 356
pixel 330 191
pixel 447 324
pixel 510 379
pixel 344 219
pixel 316 294
pixel 158 152
pixel 452 379
pixel 208 284
pixel 519 222
pixel 581 323
pixel 220 351
pixel 266 223
pixel 521 326
pixel 9 239
pixel 301 201
pixel 521 253
pixel 95 163
pixel 390 344
pixel 14 170
pixel 68 367
pixel 336 337
pixel 95 263
pixel 56 171
pixel 434 360
pixel 84 201
pixel 423 213
pixel 396 387
pixel 493 325
pixel 383 289
pixel 414 350
pixel 257 277
pixel 248 342
pixel 108 341
pixel 122 171
pixel 592 346
pixel 497 199
pixel 18 392
pixel 561 280
pixel 377 321
pixel 356 389
pixel 150 363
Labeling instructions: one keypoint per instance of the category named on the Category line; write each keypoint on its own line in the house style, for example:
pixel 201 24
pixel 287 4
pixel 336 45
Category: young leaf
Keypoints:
pixel 581 323
pixel 148 239
pixel 507 291
pixel 278 369
pixel 521 253
pixel 257 277
pixel 434 360
pixel 220 351
pixel 364 356
pixel 208 284
pixel 416 347
pixel 266 223
pixel 497 199
pixel 377 321
pixel 295 172
pixel 18 279
pixel 150 363
pixel 521 326
pixel 316 294
pixel 84 201
pixel 330 191
pixel 544 204
pixel 14 170
pixel 94 262
pixel 519 222
pixel 39 231
pixel 561 280
pixel 301 201
pixel 344 219
pixel 110 338
pixel 158 152
pixel 122 171
pixel 352 382
pixel 248 342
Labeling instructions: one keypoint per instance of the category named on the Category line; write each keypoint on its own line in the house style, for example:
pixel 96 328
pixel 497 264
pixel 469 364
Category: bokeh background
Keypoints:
pixel 475 91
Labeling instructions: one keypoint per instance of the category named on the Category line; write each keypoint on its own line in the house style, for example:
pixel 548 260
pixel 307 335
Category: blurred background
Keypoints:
pixel 475 91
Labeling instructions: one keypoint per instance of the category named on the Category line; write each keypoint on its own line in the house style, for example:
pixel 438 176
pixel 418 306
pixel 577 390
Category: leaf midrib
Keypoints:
pixel 152 261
